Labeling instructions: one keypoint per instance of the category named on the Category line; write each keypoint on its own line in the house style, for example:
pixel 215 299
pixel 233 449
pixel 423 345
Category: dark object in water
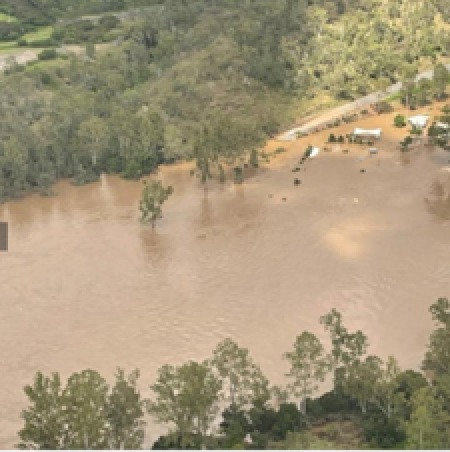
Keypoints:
pixel 362 170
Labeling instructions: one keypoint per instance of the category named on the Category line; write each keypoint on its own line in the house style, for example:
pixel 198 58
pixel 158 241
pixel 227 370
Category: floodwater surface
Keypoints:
pixel 85 285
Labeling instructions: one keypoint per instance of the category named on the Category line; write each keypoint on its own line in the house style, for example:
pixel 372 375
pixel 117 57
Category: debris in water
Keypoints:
pixel 362 170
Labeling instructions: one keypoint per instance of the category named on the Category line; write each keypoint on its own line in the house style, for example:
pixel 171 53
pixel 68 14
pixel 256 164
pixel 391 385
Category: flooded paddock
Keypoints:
pixel 85 285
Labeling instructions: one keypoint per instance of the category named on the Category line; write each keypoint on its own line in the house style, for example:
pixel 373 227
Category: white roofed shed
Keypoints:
pixel 419 121
pixel 376 133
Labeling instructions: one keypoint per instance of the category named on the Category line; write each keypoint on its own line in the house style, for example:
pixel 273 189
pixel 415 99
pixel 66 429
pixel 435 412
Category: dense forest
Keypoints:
pixel 373 402
pixel 203 79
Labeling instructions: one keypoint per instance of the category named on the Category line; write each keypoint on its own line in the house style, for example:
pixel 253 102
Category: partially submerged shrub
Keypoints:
pixel 400 121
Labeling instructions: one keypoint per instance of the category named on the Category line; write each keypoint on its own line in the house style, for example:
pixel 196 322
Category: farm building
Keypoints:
pixel 367 134
pixel 419 121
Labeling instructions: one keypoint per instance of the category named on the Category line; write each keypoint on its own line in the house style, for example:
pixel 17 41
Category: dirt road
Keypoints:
pixel 337 112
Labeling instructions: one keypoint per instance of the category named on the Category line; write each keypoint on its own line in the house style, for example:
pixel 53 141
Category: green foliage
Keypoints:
pixel 437 357
pixel 125 412
pixel 390 408
pixel 237 69
pixel 238 175
pixel 346 347
pixel 430 418
pixel 174 441
pixel 48 54
pixel 404 145
pixel 383 433
pixel 416 130
pixel 400 121
pixel 303 441
pixel 440 80
pixel 254 160
pixel 154 194
pixel 235 426
pixel 186 397
pixel 309 366
pixel 243 384
pixel 383 107
pixel 86 31
pixel 83 414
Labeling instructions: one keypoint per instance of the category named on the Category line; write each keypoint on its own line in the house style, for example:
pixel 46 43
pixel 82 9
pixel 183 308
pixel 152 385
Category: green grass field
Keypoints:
pixel 6 18
pixel 6 47
pixel 41 33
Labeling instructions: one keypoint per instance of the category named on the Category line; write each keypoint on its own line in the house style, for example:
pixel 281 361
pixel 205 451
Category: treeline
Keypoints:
pixel 416 94
pixel 389 408
pixel 187 69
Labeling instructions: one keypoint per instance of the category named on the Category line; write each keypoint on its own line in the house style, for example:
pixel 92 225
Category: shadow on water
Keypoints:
pixel 439 202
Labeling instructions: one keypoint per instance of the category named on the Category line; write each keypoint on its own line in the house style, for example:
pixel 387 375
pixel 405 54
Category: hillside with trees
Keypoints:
pixel 373 403
pixel 202 79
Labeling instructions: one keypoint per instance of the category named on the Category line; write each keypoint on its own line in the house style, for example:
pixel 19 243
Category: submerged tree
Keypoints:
pixel 154 194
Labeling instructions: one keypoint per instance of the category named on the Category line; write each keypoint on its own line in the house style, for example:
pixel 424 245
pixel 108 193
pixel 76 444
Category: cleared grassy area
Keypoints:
pixel 7 47
pixel 41 33
pixel 6 18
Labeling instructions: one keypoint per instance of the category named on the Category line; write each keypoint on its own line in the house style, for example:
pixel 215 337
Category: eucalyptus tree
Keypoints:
pixel 386 395
pixel 94 135
pixel 437 356
pixel 83 414
pixel 243 383
pixel 186 398
pixel 430 418
pixel 440 80
pixel 309 366
pixel 346 347
pixel 359 380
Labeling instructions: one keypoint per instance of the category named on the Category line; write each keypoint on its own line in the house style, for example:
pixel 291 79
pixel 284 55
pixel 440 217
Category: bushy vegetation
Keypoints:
pixel 400 121
pixel 373 404
pixel 200 79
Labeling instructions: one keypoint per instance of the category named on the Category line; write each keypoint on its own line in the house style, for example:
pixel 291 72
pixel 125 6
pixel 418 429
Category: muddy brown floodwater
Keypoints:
pixel 85 285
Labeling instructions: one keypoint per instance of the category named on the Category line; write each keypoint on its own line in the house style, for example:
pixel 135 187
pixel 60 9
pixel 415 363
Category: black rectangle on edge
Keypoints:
pixel 3 236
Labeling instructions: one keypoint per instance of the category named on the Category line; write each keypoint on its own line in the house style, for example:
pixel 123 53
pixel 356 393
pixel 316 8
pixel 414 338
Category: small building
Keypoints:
pixel 314 152
pixel 367 134
pixel 419 121
pixel 373 151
